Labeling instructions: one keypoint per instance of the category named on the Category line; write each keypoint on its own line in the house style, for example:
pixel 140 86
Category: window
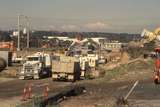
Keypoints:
pixel 33 58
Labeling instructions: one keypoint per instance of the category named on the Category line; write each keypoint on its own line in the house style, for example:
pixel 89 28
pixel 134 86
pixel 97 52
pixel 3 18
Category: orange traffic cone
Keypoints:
pixel 30 91
pixel 46 90
pixel 24 97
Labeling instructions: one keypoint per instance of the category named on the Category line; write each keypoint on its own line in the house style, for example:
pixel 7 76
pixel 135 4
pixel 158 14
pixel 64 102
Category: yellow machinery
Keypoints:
pixel 150 36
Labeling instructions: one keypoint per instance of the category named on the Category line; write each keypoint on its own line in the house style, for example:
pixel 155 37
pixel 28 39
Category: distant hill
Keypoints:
pixel 122 37
pixel 37 37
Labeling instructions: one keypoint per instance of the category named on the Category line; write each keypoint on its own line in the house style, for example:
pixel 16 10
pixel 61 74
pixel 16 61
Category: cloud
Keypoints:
pixel 52 27
pixel 97 26
pixel 69 27
pixel 80 27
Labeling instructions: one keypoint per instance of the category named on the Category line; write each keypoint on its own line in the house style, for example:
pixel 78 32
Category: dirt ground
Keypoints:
pixel 102 92
pixel 11 91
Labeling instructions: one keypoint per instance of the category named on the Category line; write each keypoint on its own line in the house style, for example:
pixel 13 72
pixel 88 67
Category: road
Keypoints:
pixel 15 87
pixel 146 93
pixel 11 91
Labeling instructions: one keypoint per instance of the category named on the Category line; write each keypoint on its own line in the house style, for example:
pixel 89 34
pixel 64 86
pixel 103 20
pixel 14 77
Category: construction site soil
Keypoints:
pixel 101 92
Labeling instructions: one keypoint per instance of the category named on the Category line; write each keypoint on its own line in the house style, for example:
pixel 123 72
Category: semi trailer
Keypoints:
pixel 67 68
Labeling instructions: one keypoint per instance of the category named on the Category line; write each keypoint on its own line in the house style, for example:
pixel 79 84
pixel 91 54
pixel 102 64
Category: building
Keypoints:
pixel 113 45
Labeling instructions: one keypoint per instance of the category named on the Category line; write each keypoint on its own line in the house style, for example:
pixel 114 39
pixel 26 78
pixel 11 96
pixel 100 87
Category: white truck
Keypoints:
pixel 93 60
pixel 84 65
pixel 36 66
pixel 88 63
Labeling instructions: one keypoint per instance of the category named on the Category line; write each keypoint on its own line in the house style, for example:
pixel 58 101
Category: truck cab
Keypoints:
pixel 36 66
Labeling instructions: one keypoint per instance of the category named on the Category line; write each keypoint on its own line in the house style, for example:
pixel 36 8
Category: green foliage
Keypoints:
pixel 135 51
pixel 149 46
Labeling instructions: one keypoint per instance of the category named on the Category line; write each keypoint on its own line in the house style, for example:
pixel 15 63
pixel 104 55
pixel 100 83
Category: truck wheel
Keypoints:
pixel 49 74
pixel 54 79
pixel 156 81
pixel 71 78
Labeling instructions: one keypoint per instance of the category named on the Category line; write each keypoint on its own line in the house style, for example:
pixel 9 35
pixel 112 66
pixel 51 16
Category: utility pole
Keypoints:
pixel 28 31
pixel 18 45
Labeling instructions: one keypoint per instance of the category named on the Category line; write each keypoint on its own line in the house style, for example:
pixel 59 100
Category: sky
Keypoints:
pixel 129 16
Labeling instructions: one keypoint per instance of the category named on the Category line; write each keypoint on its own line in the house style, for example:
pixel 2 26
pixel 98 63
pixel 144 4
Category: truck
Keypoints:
pixel 36 66
pixel 67 68
pixel 84 65
pixel 93 60
pixel 88 63
pixel 5 59
pixel 3 64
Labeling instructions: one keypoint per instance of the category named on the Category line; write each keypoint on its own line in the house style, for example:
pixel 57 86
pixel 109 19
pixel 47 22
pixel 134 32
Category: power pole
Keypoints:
pixel 28 32
pixel 18 45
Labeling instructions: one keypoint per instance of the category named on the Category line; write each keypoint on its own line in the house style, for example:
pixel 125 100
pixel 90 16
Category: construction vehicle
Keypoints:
pixel 150 36
pixel 16 59
pixel 7 46
pixel 67 68
pixel 7 57
pixel 102 60
pixel 84 65
pixel 154 36
pixel 157 67
pixel 93 60
pixel 3 64
pixel 88 64
pixel 147 37
pixel 36 66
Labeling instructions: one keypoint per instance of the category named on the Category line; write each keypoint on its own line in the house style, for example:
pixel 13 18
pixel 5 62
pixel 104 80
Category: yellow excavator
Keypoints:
pixel 147 37
pixel 150 36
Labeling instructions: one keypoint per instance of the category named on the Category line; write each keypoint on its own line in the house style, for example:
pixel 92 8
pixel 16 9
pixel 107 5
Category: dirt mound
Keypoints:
pixel 132 69
pixel 137 65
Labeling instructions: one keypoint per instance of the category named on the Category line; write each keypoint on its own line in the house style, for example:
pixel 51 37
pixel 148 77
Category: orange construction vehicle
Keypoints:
pixel 7 46
pixel 157 66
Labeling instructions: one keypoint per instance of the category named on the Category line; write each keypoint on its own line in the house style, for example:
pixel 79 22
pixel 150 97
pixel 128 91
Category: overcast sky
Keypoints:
pixel 83 15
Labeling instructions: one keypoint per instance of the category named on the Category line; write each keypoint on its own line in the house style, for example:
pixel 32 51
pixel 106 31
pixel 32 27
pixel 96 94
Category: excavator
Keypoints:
pixel 148 37
pixel 9 46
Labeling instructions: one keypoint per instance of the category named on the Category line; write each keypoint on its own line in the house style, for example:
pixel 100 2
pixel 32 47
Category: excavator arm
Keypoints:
pixel 148 36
